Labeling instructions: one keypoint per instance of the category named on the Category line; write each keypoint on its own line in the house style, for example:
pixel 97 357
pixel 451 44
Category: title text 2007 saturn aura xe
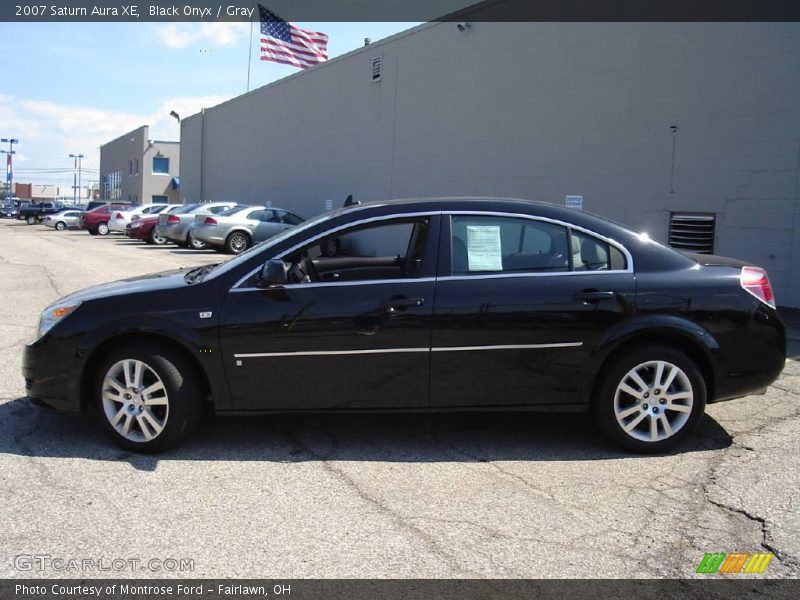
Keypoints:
pixel 433 304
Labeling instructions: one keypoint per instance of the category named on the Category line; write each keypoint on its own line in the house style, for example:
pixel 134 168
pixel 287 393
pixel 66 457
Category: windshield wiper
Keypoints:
pixel 197 274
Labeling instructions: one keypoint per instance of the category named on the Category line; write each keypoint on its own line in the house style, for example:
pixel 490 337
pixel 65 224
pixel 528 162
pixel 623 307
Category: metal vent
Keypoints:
pixel 377 63
pixel 693 232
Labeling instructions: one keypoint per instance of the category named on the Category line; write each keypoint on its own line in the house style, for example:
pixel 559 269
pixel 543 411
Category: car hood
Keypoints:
pixel 143 283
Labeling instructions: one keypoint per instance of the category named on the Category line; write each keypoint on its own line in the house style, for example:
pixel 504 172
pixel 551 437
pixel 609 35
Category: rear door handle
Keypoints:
pixel 394 304
pixel 592 296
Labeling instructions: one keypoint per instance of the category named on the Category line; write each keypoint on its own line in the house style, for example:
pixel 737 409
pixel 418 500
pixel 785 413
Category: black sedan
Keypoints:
pixel 419 305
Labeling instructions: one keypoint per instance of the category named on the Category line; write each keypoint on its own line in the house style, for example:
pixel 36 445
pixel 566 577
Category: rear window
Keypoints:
pixel 185 209
pixel 234 210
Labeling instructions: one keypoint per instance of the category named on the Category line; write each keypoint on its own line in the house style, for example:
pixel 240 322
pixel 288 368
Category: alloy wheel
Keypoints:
pixel 196 244
pixel 61 226
pixel 102 229
pixel 238 243
pixel 653 401
pixel 135 400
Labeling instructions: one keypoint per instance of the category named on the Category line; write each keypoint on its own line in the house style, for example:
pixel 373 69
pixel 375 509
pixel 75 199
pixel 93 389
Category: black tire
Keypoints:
pixel 603 404
pixel 31 220
pixel 237 242
pixel 185 403
pixel 102 229
pixel 61 226
pixel 92 231
pixel 154 239
pixel 194 243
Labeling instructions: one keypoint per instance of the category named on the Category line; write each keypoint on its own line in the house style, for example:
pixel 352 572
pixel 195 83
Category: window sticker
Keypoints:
pixel 483 248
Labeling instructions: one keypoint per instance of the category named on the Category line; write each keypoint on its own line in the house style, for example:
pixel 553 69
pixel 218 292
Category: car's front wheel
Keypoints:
pixel 61 226
pixel 102 229
pixel 148 397
pixel 650 399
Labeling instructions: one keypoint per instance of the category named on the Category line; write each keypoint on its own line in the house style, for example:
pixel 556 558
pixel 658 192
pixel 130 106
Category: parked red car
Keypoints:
pixel 96 220
pixel 144 227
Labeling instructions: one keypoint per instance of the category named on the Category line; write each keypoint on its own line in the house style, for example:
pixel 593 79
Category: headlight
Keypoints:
pixel 135 224
pixel 53 315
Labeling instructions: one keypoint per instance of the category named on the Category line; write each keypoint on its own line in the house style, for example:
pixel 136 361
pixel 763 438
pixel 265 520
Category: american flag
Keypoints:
pixel 284 43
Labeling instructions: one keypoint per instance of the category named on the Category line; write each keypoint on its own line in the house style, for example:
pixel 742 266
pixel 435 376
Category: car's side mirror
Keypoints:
pixel 274 273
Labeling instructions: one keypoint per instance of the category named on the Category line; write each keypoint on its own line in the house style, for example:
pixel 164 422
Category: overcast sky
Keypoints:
pixel 69 87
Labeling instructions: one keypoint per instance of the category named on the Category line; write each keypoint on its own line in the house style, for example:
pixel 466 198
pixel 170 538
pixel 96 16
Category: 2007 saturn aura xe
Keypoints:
pixel 433 304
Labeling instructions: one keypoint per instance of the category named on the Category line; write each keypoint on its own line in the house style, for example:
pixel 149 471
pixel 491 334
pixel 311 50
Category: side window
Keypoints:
pixel 255 215
pixel 392 250
pixel 592 254
pixel 507 245
pixel 267 216
pixel 291 218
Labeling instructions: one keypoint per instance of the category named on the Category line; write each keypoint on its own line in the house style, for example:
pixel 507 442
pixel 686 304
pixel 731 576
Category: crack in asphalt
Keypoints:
pixel 381 507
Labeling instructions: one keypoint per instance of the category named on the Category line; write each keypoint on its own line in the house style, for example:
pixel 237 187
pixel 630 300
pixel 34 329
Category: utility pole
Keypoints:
pixel 9 166
pixel 77 166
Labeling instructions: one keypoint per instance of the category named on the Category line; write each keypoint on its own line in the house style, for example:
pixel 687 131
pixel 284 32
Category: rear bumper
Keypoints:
pixel 52 375
pixel 175 233
pixel 751 357
pixel 116 225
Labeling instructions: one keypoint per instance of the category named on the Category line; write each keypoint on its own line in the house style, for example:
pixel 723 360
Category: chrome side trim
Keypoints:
pixel 486 213
pixel 410 350
pixel 317 284
pixel 331 352
pixel 506 347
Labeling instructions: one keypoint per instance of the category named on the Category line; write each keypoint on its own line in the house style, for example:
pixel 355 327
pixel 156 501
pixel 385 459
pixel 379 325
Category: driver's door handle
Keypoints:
pixel 592 296
pixel 394 304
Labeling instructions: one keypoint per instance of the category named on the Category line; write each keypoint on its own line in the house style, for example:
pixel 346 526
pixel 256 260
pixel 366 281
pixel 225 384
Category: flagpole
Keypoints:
pixel 250 51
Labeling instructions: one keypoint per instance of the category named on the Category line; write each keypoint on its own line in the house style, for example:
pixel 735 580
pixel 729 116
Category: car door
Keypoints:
pixel 520 303
pixel 268 225
pixel 360 339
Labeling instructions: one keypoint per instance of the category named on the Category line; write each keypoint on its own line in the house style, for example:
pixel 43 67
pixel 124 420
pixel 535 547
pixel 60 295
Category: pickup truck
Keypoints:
pixel 34 213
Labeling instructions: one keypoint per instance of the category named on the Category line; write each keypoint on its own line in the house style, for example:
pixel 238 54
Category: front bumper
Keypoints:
pixel 52 375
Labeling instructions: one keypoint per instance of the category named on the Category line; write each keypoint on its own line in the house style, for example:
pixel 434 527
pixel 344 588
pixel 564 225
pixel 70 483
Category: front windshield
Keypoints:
pixel 225 267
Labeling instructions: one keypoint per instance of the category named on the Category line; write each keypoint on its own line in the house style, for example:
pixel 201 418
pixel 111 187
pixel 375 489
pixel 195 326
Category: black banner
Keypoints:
pixel 400 10
pixel 737 587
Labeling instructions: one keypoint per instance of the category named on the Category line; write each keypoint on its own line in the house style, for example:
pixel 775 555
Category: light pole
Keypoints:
pixel 9 166
pixel 77 164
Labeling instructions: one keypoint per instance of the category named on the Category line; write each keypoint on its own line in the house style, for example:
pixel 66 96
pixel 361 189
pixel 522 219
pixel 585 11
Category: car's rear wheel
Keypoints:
pixel 30 220
pixel 102 229
pixel 237 242
pixel 61 226
pixel 650 399
pixel 158 240
pixel 148 397
pixel 196 244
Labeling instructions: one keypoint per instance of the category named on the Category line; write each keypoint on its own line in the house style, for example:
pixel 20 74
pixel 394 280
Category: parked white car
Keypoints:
pixel 120 219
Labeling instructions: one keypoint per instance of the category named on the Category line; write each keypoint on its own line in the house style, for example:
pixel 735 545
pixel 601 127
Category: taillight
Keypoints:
pixel 210 221
pixel 118 216
pixel 173 219
pixel 756 282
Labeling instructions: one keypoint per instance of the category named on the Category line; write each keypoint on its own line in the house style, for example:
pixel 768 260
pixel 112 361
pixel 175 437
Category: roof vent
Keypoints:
pixel 377 63
pixel 692 232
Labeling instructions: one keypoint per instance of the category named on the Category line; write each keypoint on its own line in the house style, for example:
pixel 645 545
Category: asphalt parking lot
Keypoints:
pixel 533 495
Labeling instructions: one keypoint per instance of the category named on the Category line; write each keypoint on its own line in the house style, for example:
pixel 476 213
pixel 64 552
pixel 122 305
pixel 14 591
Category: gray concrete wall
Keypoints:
pixel 536 110
pixel 132 155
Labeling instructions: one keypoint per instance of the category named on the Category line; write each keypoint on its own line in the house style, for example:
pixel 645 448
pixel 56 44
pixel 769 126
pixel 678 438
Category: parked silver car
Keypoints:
pixel 235 230
pixel 66 219
pixel 177 226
